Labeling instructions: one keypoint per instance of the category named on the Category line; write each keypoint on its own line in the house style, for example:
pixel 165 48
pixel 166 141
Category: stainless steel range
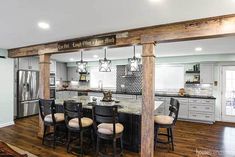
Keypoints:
pixel 27 93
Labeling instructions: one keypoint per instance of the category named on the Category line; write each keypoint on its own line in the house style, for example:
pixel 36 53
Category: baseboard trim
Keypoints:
pixel 7 124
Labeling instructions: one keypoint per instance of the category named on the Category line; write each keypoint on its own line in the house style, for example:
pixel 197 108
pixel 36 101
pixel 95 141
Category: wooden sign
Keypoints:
pixel 87 43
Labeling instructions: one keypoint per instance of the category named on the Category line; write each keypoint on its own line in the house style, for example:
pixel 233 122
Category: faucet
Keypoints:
pixel 100 85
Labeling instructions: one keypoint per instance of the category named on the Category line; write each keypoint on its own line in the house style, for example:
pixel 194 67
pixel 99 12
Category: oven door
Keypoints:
pixel 52 93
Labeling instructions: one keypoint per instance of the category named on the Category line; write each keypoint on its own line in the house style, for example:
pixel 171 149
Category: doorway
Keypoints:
pixel 228 93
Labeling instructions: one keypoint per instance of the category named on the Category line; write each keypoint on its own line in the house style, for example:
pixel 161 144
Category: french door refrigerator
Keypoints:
pixel 27 93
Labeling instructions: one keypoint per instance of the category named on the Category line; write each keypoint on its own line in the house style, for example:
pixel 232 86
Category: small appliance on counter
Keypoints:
pixel 107 96
pixel 182 92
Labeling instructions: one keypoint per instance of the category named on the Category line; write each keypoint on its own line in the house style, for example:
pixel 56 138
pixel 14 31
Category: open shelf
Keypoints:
pixel 192 72
pixel 192 82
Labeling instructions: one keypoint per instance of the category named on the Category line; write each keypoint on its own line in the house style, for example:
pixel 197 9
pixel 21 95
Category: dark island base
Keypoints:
pixel 131 133
pixel 132 128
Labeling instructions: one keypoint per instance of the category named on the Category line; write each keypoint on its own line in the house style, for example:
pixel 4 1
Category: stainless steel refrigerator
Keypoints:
pixel 27 93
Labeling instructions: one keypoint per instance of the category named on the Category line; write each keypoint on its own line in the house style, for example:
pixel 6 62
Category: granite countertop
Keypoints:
pixel 130 106
pixel 139 93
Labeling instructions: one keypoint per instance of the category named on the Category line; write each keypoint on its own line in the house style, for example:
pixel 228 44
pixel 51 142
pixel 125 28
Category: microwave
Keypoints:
pixel 52 80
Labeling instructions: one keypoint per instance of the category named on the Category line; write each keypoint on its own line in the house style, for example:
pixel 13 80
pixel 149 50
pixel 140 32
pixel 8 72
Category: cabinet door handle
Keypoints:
pixel 207 116
pixel 194 107
pixel 194 115
pixel 207 108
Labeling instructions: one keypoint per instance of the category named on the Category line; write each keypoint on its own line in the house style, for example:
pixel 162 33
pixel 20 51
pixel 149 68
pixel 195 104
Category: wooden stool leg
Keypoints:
pixel 92 139
pixel 172 139
pixel 121 142
pixel 54 137
pixel 156 136
pixel 81 142
pixel 68 142
pixel 168 135
pixel 44 134
pixel 97 146
pixel 114 147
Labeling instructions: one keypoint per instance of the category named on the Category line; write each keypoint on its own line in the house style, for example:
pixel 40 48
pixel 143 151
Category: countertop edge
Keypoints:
pixel 125 93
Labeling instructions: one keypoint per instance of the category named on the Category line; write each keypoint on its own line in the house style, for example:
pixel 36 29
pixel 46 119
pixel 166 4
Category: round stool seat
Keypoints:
pixel 107 128
pixel 86 122
pixel 162 119
pixel 59 117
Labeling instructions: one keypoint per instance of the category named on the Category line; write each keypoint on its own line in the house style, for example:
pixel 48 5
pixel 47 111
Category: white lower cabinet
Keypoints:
pixel 202 116
pixel 190 108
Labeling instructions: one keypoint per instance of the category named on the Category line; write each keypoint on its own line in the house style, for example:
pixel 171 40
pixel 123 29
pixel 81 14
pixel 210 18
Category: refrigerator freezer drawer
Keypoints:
pixel 28 108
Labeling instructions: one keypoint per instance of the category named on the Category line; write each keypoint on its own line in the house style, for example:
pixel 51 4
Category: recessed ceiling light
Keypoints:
pixel 71 59
pixel 95 56
pixel 43 25
pixel 198 49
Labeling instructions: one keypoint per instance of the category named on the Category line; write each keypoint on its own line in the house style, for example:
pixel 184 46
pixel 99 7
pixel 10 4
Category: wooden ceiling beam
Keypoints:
pixel 188 30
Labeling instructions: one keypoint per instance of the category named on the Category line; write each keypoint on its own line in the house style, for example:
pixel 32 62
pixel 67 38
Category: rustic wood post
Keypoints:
pixel 147 118
pixel 44 85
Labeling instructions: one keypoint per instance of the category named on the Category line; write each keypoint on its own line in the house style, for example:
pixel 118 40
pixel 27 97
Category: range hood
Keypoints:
pixel 128 73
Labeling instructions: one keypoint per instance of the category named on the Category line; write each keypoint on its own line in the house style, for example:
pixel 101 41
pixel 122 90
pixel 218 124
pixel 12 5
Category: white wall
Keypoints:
pixel 6 90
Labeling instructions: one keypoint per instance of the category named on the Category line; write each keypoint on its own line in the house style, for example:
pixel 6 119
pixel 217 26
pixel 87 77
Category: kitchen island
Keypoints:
pixel 129 115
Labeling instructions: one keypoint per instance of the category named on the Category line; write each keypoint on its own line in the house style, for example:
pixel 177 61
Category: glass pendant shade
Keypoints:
pixel 134 63
pixel 105 64
pixel 81 65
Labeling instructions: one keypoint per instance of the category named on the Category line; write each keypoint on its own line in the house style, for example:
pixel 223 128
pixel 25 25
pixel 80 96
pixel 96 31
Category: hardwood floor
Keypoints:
pixel 191 139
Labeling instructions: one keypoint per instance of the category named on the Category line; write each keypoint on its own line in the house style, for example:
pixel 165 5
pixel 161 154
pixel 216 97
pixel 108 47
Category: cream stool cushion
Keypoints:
pixel 162 119
pixel 59 117
pixel 107 128
pixel 85 122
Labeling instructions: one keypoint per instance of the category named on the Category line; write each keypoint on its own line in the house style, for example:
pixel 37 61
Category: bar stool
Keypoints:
pixel 50 118
pixel 76 123
pixel 107 127
pixel 167 122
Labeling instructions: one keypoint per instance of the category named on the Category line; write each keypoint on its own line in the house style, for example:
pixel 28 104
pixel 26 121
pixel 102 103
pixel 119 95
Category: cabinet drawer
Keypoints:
pixel 160 99
pixel 201 116
pixel 203 108
pixel 207 101
pixel 182 100
pixel 195 101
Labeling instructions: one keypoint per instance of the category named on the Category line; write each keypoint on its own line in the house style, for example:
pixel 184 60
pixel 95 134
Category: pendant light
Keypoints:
pixel 134 63
pixel 81 65
pixel 104 64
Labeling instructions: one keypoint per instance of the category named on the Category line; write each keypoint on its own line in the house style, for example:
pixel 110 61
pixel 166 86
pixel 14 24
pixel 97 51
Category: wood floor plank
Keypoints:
pixel 191 139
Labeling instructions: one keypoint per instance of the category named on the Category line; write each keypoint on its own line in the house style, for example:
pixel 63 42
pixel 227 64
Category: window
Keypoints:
pixel 108 78
pixel 169 77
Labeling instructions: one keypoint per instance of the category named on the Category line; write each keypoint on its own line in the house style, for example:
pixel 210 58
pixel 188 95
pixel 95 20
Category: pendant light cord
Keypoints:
pixel 134 52
pixel 81 56
pixel 105 54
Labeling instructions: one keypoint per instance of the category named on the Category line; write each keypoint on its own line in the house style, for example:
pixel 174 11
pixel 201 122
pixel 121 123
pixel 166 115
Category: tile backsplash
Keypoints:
pixel 128 84
pixel 199 89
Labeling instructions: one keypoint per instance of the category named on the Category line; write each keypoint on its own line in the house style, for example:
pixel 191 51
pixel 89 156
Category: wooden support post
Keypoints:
pixel 147 118
pixel 44 85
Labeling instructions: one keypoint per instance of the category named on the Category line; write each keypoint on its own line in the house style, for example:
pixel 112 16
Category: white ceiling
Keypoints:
pixel 209 46
pixel 77 18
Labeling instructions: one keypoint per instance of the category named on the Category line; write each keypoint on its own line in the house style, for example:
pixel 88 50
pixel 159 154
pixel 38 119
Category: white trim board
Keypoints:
pixel 7 124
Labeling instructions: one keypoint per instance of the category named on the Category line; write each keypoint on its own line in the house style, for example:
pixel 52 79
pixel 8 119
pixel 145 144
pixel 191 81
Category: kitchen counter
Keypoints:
pixel 139 93
pixel 130 106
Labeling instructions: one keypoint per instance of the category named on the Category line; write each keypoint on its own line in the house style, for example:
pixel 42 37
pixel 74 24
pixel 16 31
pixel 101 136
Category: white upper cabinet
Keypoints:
pixel 61 71
pixel 72 74
pixel 206 73
pixel 29 63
